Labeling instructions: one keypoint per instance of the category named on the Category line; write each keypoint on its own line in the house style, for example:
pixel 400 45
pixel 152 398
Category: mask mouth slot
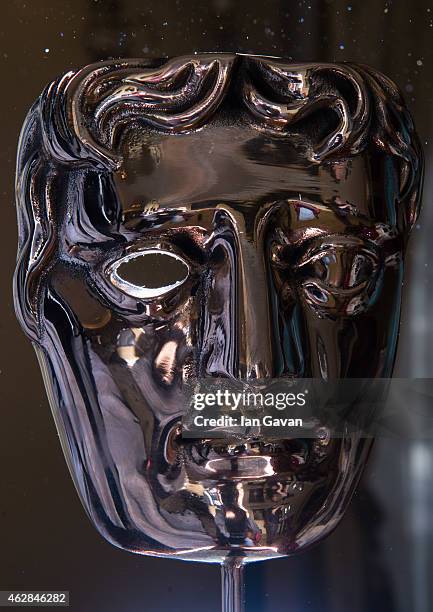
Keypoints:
pixel 149 274
pixel 237 446
pixel 232 460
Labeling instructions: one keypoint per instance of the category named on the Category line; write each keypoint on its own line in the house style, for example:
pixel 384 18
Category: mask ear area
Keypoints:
pixel 393 131
pixel 96 215
pixel 35 181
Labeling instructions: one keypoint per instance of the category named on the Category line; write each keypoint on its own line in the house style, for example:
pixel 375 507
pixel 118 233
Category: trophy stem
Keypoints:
pixel 232 585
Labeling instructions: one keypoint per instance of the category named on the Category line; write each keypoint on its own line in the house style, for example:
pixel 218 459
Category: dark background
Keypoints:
pixel 381 556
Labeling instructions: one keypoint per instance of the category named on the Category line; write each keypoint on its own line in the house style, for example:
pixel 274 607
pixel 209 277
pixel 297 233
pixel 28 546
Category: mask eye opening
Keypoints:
pixel 148 274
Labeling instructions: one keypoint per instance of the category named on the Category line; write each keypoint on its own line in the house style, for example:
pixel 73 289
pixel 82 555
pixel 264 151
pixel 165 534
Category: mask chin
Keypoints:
pixel 261 498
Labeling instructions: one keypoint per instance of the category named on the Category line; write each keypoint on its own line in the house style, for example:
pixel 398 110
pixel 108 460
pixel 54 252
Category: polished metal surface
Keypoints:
pixel 216 215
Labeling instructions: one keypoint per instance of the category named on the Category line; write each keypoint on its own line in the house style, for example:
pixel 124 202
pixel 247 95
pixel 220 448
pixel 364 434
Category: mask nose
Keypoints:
pixel 236 331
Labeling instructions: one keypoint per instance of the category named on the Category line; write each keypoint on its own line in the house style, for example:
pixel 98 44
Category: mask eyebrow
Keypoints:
pixel 309 209
pixel 302 220
pixel 152 215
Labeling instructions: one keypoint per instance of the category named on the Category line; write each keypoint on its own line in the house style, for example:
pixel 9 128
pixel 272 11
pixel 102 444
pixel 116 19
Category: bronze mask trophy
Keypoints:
pixel 211 216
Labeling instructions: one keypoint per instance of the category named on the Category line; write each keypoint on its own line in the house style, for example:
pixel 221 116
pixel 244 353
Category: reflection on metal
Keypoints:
pixel 289 192
pixel 419 469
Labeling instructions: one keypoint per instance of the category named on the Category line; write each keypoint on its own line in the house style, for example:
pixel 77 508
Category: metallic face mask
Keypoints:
pixel 217 215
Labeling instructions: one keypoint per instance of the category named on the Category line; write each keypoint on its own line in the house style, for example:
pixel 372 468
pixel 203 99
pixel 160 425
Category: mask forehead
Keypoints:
pixel 236 165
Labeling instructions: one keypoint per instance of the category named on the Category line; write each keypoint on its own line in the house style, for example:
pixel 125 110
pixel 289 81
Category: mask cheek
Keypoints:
pixel 84 305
